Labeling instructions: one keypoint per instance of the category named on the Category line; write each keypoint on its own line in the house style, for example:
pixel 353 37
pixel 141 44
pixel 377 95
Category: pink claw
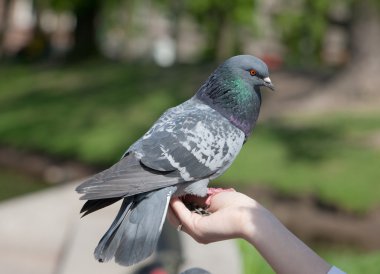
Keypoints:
pixel 211 191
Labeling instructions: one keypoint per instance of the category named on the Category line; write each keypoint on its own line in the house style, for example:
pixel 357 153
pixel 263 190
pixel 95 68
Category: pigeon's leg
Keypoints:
pixel 195 204
pixel 211 192
pixel 200 204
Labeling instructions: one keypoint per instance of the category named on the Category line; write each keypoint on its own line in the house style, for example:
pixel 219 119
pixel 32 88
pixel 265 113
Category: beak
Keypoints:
pixel 268 83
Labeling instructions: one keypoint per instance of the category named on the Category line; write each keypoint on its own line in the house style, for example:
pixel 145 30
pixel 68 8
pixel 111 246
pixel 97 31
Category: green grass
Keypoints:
pixel 353 261
pixel 93 111
pixel 13 184
pixel 327 156
pixel 252 261
pixel 350 261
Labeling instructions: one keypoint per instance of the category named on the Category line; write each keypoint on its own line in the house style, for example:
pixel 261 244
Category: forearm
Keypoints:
pixel 282 250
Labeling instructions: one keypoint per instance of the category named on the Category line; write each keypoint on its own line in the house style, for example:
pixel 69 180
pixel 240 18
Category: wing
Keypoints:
pixel 195 140
pixel 125 178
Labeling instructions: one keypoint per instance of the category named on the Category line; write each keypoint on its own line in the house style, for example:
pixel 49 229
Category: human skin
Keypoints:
pixel 235 215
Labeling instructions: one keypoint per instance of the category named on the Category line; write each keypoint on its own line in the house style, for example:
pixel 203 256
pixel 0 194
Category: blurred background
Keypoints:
pixel 80 80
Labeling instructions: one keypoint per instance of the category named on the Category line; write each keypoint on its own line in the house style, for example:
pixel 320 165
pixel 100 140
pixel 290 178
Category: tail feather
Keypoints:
pixel 109 243
pixel 134 234
pixel 94 205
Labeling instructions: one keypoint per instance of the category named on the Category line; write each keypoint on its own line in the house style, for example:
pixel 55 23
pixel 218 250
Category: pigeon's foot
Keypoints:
pixel 195 204
pixel 211 192
pixel 200 204
pixel 201 211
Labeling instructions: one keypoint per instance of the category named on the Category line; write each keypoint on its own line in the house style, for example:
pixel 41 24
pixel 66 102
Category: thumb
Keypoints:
pixel 180 210
pixel 185 217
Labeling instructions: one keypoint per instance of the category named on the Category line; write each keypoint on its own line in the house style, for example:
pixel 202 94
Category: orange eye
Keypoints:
pixel 252 72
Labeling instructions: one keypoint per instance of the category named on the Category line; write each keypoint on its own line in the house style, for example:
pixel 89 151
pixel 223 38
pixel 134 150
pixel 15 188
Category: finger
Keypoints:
pixel 173 220
pixel 180 210
pixel 184 215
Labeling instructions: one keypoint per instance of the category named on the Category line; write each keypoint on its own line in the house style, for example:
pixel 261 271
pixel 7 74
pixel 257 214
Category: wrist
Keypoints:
pixel 250 215
pixel 256 221
pixel 278 245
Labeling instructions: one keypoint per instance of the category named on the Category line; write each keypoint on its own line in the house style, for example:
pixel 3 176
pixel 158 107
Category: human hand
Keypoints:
pixel 230 212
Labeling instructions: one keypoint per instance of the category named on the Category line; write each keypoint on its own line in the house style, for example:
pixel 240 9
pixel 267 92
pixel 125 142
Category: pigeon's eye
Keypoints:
pixel 252 72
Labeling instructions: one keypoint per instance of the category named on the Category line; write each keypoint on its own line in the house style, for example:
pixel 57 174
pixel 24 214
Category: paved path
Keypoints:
pixel 42 233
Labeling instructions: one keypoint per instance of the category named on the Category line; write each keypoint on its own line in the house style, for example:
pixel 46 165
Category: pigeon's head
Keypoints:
pixel 248 68
pixel 233 90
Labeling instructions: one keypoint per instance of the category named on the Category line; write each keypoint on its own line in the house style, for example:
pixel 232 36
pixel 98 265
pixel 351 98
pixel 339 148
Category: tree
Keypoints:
pixel 302 27
pixel 359 78
pixel 86 44
pixel 4 24
pixel 87 14
pixel 221 21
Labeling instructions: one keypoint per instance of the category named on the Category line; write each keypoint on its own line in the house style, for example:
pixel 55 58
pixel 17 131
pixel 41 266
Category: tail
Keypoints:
pixel 134 233
pixel 94 205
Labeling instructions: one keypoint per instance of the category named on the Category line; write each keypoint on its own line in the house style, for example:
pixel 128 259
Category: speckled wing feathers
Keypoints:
pixel 192 138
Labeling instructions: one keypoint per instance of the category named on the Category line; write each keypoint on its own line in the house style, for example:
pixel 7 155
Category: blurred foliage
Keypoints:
pixel 95 110
pixel 301 24
pixel 13 184
pixel 239 11
pixel 222 16
pixel 70 5
pixel 216 18
pixel 87 13
pixel 302 30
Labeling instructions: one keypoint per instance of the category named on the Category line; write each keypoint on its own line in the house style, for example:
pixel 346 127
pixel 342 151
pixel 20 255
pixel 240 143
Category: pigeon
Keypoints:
pixel 188 146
